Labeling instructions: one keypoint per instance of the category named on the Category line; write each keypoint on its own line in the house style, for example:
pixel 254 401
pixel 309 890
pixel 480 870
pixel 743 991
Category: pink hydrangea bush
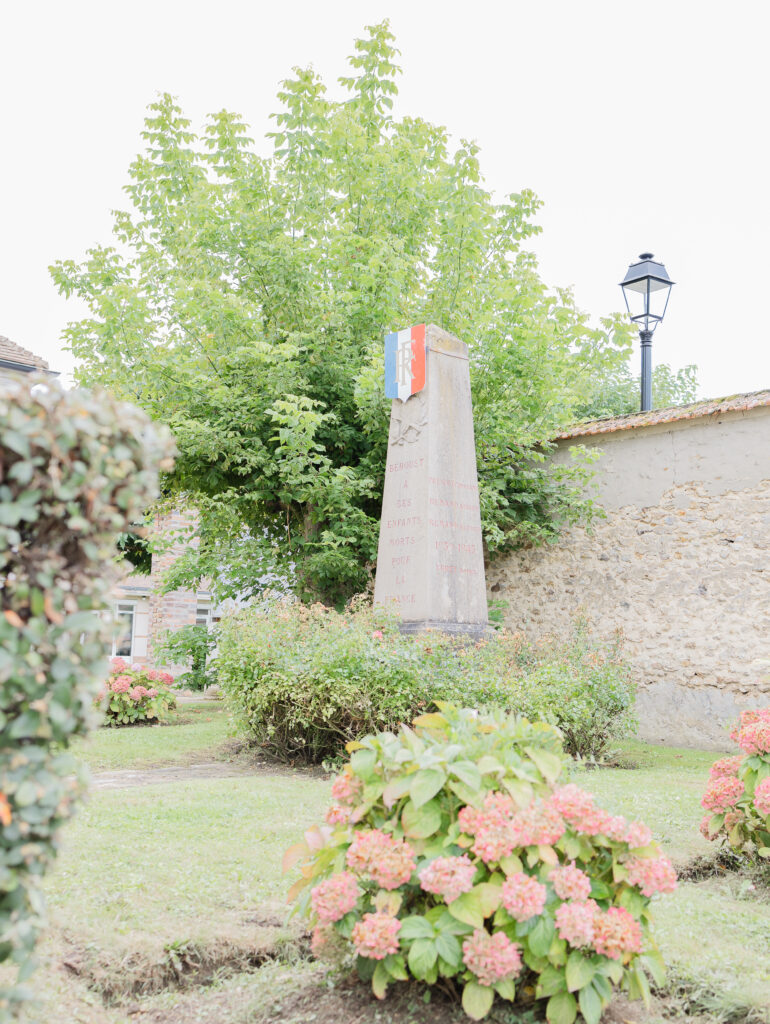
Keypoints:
pixel 737 797
pixel 134 694
pixel 458 849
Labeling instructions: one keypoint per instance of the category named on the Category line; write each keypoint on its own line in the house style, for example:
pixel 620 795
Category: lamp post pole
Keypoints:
pixel 645 336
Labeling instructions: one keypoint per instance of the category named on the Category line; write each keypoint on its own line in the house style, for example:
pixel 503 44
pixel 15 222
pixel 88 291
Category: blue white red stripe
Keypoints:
pixel 405 362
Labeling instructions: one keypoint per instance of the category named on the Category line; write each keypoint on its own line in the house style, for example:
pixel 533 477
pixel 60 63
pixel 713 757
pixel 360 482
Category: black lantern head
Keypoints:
pixel 646 288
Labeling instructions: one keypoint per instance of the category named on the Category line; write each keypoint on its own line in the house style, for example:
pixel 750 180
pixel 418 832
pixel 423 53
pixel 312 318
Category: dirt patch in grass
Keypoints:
pixel 181 965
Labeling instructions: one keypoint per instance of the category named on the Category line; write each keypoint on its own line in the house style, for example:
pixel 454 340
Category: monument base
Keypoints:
pixel 471 630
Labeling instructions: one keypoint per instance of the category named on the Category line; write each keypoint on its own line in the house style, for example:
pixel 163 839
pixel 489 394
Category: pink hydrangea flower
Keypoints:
pixel 721 794
pixel 449 877
pixel 118 665
pixel 755 738
pixel 152 692
pixel 523 897
pixel 761 715
pixel 638 835
pixel 137 693
pixel 346 788
pixel 570 883
pixel 726 767
pixel 651 874
pixel 121 684
pixel 492 958
pixel 615 827
pixel 762 797
pixel 336 815
pixel 166 678
pixel 704 828
pixel 578 808
pixel 334 897
pixel 539 824
pixel 616 933
pixel 377 634
pixel 376 935
pixel 387 861
pixel 575 922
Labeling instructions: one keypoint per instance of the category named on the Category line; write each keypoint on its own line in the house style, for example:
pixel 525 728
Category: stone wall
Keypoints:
pixel 681 564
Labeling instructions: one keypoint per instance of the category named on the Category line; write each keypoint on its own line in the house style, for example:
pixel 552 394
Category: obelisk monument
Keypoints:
pixel 430 562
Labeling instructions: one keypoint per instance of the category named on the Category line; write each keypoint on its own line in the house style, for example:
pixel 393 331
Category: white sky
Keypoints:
pixel 642 126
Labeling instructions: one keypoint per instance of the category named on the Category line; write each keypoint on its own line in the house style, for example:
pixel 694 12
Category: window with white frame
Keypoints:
pixel 123 640
pixel 205 614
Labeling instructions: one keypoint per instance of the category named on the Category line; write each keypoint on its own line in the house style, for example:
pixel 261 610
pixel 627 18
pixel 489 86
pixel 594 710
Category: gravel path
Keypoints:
pixel 129 777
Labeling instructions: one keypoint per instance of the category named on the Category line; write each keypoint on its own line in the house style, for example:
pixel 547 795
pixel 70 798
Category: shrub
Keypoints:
pixel 192 646
pixel 305 681
pixel 738 794
pixel 135 694
pixel 455 850
pixel 75 471
pixel 579 684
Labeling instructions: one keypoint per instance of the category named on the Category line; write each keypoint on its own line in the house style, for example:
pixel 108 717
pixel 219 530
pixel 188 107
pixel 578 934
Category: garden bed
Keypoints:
pixel 191 869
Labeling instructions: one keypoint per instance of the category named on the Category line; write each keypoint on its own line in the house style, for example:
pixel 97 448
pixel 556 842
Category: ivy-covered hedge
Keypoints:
pixel 76 469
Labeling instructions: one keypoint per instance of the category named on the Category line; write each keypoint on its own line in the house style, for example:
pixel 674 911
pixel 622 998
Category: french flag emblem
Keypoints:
pixel 405 362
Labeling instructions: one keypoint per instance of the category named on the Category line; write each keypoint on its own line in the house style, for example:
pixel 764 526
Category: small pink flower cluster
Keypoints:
pixel 523 897
pixel 492 958
pixel 578 808
pixel 449 877
pixel 721 794
pixel 156 676
pixel 138 692
pixel 762 797
pixel 638 835
pixel 750 718
pixel 387 861
pixel 376 935
pixel 570 883
pixel 704 828
pixel 752 734
pixel 651 874
pixel 575 922
pixel 377 634
pixel 335 897
pixel 118 665
pixel 612 933
pixel 755 738
pixel 500 828
pixel 726 767
pixel 345 789
pixel 121 684
pixel 616 932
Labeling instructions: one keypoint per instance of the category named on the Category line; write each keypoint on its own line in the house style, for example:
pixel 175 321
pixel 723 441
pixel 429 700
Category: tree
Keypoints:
pixel 616 392
pixel 245 301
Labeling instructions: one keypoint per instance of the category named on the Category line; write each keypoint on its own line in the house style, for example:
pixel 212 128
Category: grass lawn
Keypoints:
pixel 167 899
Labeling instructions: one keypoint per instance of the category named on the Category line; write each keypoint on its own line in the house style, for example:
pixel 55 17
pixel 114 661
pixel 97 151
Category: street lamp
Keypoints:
pixel 646 288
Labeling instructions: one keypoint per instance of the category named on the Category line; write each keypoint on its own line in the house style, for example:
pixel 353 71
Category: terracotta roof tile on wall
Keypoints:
pixel 14 353
pixel 711 407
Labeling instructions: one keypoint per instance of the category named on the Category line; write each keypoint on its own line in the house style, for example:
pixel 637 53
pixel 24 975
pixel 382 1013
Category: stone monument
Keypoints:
pixel 430 562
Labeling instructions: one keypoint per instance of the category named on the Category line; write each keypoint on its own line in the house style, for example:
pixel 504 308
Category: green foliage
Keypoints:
pixel 737 798
pixel 135 695
pixel 303 681
pixel 75 470
pixel 245 300
pixel 192 646
pixel 580 684
pixel 616 392
pixel 454 850
pixel 306 680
